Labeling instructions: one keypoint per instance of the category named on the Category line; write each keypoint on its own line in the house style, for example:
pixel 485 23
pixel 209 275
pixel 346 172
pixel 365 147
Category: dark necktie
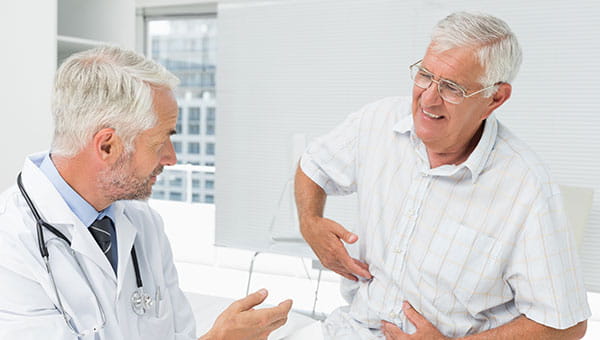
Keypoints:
pixel 102 230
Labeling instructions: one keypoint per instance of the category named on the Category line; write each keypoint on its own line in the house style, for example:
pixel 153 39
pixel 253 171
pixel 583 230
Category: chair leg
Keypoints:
pixel 250 272
pixel 316 293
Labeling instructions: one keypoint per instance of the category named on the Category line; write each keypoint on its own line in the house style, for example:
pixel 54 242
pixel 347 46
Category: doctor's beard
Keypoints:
pixel 121 183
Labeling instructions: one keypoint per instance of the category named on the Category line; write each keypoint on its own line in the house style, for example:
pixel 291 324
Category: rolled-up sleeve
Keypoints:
pixel 330 161
pixel 544 271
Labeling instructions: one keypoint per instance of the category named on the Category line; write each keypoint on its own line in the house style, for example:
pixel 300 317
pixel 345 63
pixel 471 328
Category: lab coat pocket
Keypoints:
pixel 459 264
pixel 158 322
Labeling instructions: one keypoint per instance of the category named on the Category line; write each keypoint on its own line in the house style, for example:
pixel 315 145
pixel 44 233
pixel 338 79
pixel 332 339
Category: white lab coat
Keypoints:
pixel 27 299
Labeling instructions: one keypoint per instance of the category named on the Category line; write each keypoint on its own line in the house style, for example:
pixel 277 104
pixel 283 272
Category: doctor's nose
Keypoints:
pixel 168 157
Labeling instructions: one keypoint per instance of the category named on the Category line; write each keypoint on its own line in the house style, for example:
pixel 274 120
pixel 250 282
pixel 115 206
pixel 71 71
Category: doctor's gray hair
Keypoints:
pixel 496 46
pixel 105 87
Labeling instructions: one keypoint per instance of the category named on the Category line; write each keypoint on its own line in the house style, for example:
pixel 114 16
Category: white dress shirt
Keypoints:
pixel 470 246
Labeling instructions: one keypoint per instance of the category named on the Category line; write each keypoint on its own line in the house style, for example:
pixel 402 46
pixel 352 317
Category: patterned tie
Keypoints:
pixel 102 230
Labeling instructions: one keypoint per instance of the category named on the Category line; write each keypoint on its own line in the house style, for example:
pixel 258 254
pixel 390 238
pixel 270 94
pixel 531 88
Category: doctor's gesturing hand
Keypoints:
pixel 240 321
pixel 325 236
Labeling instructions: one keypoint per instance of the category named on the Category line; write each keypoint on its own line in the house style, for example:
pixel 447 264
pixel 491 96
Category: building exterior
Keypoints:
pixel 187 47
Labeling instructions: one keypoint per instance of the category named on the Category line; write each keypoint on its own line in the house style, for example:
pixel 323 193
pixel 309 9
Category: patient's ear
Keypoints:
pixel 107 145
pixel 498 98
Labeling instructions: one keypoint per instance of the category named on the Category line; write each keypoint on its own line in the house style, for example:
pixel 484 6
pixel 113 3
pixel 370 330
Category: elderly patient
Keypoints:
pixel 462 231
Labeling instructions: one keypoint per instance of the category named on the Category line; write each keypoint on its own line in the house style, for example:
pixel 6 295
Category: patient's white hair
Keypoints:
pixel 496 46
pixel 106 87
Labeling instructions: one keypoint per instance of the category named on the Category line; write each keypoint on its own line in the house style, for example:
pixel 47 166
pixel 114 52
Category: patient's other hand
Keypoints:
pixel 325 237
pixel 240 321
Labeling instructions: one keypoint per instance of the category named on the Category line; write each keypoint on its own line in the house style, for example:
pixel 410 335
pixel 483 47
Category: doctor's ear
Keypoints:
pixel 107 145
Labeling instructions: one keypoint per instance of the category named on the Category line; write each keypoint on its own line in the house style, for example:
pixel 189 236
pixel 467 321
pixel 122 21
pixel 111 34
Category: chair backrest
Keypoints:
pixel 578 203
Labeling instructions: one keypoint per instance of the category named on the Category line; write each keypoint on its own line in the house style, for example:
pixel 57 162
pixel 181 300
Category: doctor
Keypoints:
pixel 81 256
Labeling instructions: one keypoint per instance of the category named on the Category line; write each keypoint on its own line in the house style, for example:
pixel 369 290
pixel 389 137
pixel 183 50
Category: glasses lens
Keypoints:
pixel 451 92
pixel 421 77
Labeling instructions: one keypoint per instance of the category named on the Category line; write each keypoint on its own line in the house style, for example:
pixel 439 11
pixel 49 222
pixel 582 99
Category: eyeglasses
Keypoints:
pixel 448 90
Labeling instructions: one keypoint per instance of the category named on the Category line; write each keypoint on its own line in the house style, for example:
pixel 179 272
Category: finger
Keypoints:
pixel 346 275
pixel 250 301
pixel 274 314
pixel 285 305
pixel 362 264
pixel 391 331
pixel 359 268
pixel 277 323
pixel 413 316
pixel 343 233
pixel 335 256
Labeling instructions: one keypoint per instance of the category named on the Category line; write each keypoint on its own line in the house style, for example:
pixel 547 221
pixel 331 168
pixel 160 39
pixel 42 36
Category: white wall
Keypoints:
pixel 102 20
pixel 28 32
pixel 27 64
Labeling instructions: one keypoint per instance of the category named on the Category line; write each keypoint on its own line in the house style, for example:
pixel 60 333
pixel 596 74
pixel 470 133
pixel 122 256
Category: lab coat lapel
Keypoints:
pixel 126 233
pixel 84 243
pixel 51 206
pixel 55 211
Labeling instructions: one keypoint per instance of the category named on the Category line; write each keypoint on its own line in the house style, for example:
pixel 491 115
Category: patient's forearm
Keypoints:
pixel 310 198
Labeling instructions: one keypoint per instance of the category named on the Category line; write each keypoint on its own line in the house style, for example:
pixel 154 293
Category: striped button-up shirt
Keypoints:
pixel 470 246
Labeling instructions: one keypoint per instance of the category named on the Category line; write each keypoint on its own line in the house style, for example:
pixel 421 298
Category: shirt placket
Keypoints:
pixel 401 241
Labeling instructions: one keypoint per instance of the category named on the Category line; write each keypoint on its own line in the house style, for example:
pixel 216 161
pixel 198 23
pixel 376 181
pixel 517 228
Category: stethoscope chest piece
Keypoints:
pixel 141 302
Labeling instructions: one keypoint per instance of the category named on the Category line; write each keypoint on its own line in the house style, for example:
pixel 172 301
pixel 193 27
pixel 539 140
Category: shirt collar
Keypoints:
pixel 80 207
pixel 476 160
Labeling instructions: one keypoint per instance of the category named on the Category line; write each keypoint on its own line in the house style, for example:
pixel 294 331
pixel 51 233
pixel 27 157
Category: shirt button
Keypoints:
pixel 393 315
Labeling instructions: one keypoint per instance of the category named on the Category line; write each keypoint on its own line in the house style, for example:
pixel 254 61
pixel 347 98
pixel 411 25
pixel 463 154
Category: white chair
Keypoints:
pixel 578 203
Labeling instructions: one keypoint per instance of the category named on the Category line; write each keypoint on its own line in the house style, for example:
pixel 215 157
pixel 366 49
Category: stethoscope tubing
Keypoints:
pixel 43 224
pixel 140 301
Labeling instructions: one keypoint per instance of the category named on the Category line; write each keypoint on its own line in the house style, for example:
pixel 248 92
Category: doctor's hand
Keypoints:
pixel 325 238
pixel 425 329
pixel 240 321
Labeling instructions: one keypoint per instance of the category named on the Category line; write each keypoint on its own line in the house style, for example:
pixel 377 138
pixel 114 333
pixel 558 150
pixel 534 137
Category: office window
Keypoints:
pixel 210 121
pixel 210 148
pixel 209 198
pixel 194 121
pixel 194 148
pixel 186 46
pixel 195 183
pixel 158 194
pixel 209 184
pixel 179 120
pixel 177 147
pixel 176 182
pixel 175 196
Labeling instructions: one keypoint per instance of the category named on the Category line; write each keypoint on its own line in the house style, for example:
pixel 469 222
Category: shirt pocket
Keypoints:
pixel 460 264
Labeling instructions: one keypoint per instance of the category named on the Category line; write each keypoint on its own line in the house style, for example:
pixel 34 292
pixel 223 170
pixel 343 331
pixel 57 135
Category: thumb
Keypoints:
pixel 251 300
pixel 343 233
pixel 413 316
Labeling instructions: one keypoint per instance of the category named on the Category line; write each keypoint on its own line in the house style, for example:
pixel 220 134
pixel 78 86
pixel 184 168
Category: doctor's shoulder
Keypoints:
pixel 18 243
pixel 15 216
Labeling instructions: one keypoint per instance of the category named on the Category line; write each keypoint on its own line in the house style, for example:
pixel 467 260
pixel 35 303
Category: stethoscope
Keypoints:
pixel 141 302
